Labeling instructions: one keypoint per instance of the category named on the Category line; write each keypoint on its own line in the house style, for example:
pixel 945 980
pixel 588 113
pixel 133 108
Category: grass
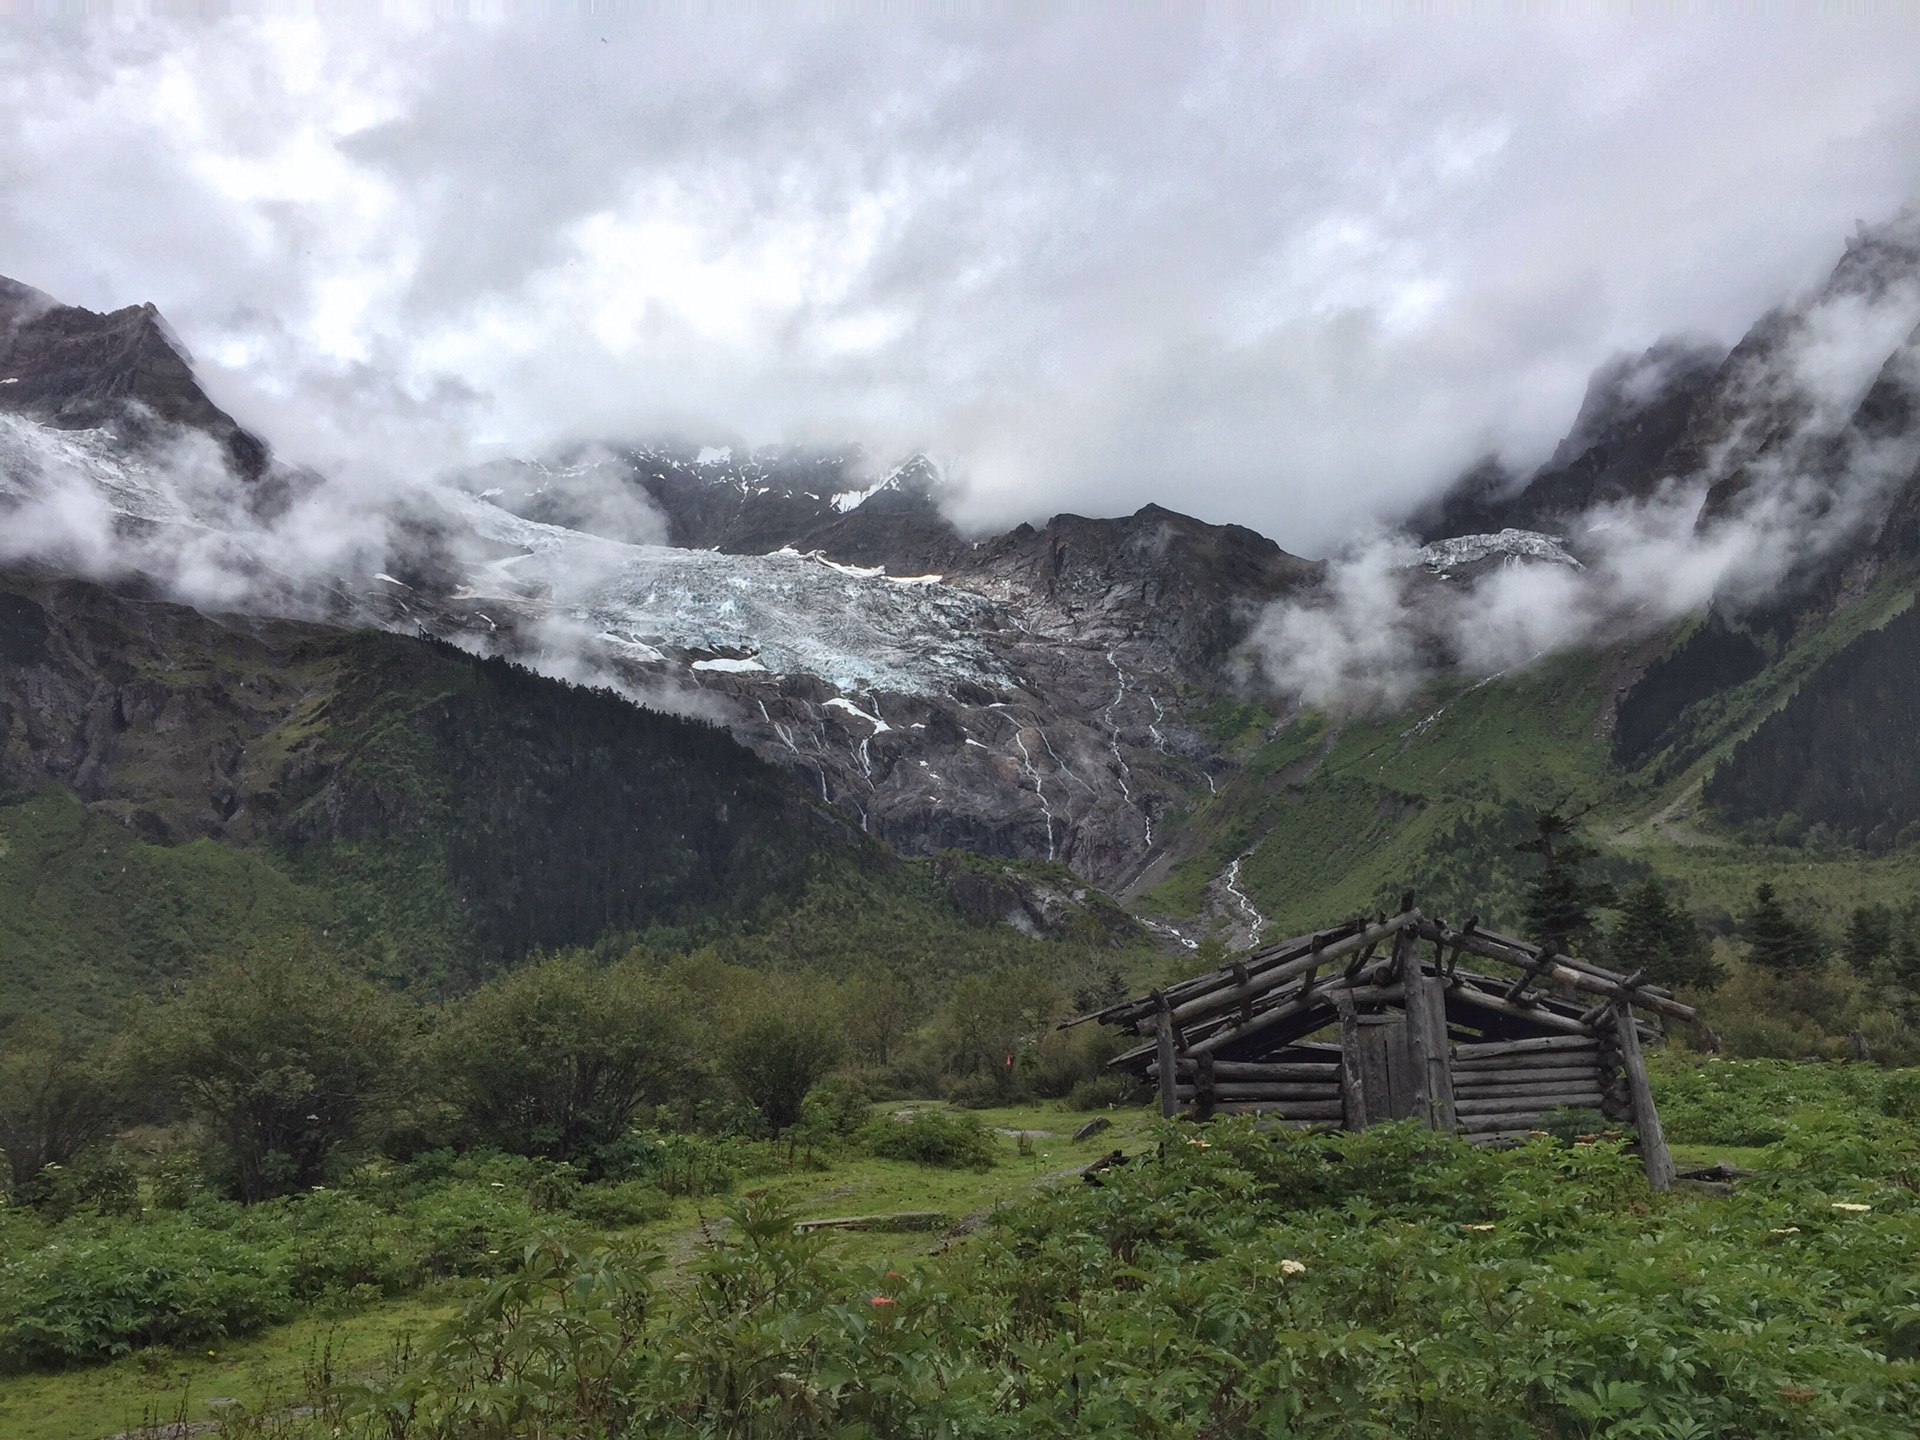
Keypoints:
pixel 165 1385
pixel 1433 798
pixel 169 1384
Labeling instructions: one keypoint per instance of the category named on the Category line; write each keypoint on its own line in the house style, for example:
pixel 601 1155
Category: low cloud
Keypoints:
pixel 1289 273
pixel 1806 441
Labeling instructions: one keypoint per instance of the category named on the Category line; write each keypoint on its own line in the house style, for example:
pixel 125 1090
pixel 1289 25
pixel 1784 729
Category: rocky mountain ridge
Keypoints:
pixel 1042 694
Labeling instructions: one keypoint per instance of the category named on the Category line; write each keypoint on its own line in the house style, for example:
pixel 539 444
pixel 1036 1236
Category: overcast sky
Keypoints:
pixel 1289 274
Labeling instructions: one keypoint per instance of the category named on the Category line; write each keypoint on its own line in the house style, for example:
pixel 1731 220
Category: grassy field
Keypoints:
pixel 166 1383
pixel 1035 1152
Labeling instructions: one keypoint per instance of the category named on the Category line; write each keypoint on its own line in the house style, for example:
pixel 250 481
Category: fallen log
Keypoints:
pixel 903 1221
pixel 1286 1010
pixel 1538 1014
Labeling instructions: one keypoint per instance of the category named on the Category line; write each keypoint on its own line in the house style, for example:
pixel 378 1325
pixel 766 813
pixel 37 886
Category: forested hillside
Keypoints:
pixel 181 787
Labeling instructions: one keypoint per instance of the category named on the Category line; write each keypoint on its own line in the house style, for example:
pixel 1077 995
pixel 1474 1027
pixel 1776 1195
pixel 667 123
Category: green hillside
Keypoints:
pixel 424 815
pixel 1336 815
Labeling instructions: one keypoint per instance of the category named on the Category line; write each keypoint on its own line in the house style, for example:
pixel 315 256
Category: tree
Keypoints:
pixel 1776 941
pixel 56 1099
pixel 555 1058
pixel 990 1017
pixel 878 1009
pixel 1560 900
pixel 1869 937
pixel 1656 935
pixel 776 1046
pixel 288 1060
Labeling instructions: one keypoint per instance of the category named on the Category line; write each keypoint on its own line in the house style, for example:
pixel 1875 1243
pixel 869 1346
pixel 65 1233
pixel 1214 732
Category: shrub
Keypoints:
pixel 932 1137
pixel 614 1207
pixel 556 1058
pixel 1098 1093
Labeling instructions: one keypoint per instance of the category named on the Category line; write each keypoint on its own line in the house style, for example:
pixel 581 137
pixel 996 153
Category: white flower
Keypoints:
pixel 1292 1267
pixel 1851 1207
pixel 1790 1230
pixel 1476 1227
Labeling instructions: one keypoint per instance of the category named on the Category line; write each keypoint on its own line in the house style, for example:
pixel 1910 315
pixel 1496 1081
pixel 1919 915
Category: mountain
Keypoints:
pixel 1091 694
pixel 72 369
pixel 1022 695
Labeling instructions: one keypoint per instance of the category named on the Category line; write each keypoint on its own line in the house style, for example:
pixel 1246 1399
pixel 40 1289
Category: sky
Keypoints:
pixel 1293 271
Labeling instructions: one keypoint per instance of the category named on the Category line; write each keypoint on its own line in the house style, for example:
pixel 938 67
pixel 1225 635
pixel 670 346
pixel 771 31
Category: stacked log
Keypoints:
pixel 1303 1089
pixel 1509 1086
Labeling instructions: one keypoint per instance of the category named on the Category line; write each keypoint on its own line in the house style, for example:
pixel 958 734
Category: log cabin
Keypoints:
pixel 1469 1031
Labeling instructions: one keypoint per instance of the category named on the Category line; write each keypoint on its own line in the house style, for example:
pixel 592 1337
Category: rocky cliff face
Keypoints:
pixel 1029 695
pixel 1021 695
pixel 75 370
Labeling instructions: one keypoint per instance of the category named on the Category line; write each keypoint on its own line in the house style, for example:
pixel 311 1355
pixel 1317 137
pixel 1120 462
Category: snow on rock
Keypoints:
pixel 726 666
pixel 1444 557
pixel 854 710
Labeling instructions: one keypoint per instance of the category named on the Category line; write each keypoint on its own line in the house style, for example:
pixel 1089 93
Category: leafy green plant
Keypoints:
pixel 941 1138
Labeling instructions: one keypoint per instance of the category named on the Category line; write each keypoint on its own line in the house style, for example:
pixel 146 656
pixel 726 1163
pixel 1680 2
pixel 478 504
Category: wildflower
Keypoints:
pixel 1851 1207
pixel 895 1275
pixel 1789 1230
pixel 1292 1267
pixel 880 1302
pixel 1477 1227
pixel 1200 1144
pixel 499 1184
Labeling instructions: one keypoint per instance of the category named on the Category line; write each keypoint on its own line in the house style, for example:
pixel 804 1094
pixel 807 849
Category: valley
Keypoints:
pixel 436 900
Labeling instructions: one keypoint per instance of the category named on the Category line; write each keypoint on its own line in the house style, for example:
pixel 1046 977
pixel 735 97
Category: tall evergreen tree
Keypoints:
pixel 1658 936
pixel 1775 940
pixel 1560 899
pixel 1869 936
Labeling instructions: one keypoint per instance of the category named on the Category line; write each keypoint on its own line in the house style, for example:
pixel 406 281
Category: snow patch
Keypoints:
pixel 879 725
pixel 725 666
pixel 1443 557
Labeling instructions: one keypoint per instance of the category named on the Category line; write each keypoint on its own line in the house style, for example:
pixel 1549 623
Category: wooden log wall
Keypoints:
pixel 1507 1087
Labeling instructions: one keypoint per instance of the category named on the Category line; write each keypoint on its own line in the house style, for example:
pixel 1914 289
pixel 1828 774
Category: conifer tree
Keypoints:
pixel 1869 936
pixel 1775 940
pixel 1560 899
pixel 1658 936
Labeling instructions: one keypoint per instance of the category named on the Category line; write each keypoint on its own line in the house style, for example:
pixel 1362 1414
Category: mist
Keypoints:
pixel 1291 273
pixel 1795 471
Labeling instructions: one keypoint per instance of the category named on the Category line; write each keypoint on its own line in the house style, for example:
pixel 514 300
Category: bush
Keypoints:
pixel 615 1207
pixel 932 1137
pixel 556 1058
pixel 1900 1099
pixel 1098 1093
pixel 835 1108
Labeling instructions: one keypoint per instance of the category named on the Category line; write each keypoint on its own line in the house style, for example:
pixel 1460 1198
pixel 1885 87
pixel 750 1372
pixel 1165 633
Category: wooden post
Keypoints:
pixel 1203 1093
pixel 1427 1039
pixel 1353 1089
pixel 1646 1119
pixel 1169 1097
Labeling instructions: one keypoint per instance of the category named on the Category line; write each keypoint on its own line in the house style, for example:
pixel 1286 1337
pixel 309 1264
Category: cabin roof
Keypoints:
pixel 1283 992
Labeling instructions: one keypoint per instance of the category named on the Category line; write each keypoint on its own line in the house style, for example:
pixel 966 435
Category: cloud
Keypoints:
pixel 1794 469
pixel 1290 273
